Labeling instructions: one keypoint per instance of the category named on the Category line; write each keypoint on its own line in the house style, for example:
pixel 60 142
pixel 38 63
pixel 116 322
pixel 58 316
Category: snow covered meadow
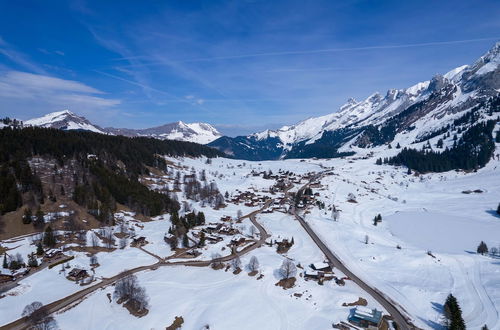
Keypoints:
pixel 423 249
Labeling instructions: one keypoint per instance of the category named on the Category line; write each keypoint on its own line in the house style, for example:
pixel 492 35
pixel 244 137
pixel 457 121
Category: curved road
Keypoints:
pixel 53 307
pixel 398 314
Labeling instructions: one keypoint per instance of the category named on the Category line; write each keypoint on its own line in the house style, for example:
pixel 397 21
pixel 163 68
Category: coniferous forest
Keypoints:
pixel 110 167
pixel 473 150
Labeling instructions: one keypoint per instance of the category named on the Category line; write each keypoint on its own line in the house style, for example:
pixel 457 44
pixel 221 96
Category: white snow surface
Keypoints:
pixel 436 226
pixel 202 133
pixel 73 121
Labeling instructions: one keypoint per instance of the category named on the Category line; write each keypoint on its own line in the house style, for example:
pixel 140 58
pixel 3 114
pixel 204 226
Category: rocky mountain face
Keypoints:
pixel 194 132
pixel 201 133
pixel 65 120
pixel 403 116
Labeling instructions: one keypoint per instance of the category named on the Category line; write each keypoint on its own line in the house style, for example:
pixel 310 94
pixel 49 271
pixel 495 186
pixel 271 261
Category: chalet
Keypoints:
pixel 321 266
pixel 365 317
pixel 312 274
pixel 77 274
pixel 213 239
pixel 238 240
pixel 140 241
pixel 213 228
pixel 226 218
pixel 225 230
pixel 283 245
pixel 52 253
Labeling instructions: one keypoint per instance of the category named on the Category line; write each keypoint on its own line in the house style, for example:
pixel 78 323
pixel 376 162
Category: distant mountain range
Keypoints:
pixel 406 116
pixel 413 117
pixel 194 132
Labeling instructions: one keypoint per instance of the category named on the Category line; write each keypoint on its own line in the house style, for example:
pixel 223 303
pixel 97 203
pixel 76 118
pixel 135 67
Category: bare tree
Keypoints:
pixel 123 227
pixel 287 269
pixel 109 238
pixel 253 265
pixel 236 263
pixel 366 239
pixel 335 214
pixel 93 259
pixel 239 215
pixel 81 237
pixel 38 317
pixel 253 231
pixel 94 240
pixel 70 224
pixel 128 290
pixel 123 242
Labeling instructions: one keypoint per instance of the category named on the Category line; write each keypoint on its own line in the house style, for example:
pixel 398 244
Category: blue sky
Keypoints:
pixel 240 65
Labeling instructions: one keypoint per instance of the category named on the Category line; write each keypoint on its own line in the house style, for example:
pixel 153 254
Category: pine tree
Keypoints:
pixel 39 218
pixel 49 238
pixel 39 249
pixel 5 263
pixel 201 243
pixel 185 241
pixel 27 217
pixel 482 248
pixel 453 314
pixel 498 209
pixel 32 262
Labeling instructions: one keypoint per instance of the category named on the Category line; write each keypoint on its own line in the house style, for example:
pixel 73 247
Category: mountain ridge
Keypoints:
pixel 201 133
pixel 370 122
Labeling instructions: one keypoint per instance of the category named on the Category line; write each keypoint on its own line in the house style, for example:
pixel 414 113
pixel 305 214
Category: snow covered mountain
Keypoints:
pixel 65 120
pixel 402 115
pixel 193 132
pixel 201 133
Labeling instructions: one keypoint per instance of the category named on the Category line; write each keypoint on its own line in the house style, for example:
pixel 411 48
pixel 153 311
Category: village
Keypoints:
pixel 228 229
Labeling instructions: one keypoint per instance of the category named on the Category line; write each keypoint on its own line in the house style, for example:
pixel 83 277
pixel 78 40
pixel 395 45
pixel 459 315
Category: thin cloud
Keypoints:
pixel 19 58
pixel 38 89
pixel 308 52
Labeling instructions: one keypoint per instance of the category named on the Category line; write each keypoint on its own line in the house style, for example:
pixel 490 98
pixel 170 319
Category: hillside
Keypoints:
pixel 91 172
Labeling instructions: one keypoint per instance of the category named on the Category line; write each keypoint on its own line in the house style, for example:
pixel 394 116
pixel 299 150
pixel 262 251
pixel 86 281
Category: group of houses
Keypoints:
pixel 249 198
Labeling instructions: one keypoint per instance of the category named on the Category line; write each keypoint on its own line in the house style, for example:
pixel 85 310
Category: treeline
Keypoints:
pixel 16 178
pixel 133 152
pixel 108 187
pixel 107 172
pixel 473 150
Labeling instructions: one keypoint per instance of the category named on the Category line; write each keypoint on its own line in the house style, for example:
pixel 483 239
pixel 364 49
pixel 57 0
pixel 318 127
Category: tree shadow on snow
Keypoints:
pixel 493 213
pixel 433 324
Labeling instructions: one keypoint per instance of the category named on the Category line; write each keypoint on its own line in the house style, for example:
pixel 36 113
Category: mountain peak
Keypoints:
pixel 65 120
